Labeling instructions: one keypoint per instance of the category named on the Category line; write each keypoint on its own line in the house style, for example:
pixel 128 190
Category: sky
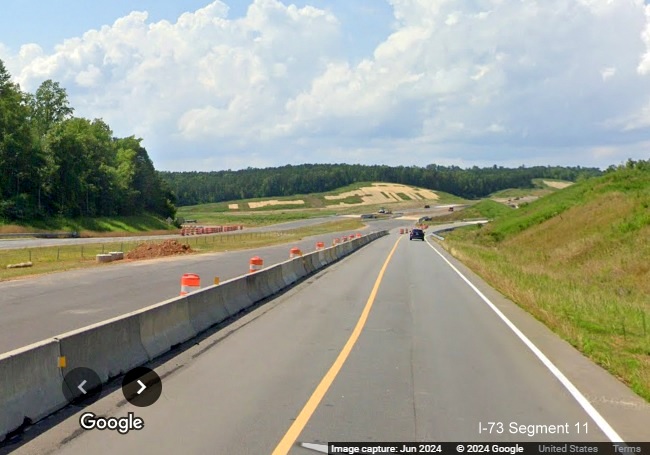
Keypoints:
pixel 236 84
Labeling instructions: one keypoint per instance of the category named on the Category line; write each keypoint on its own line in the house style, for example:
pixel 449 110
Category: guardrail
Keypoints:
pixel 31 378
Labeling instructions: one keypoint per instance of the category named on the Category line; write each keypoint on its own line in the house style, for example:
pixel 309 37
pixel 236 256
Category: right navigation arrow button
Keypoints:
pixel 141 387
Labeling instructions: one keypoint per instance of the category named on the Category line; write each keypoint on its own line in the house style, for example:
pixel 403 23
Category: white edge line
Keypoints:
pixel 573 390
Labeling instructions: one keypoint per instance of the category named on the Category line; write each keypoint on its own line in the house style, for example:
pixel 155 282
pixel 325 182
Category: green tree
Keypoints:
pixel 18 157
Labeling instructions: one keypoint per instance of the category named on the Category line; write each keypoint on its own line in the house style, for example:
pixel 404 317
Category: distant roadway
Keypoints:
pixel 36 308
pixel 34 243
pixel 426 359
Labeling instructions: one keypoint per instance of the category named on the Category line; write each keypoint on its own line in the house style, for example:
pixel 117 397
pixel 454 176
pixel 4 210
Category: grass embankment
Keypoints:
pixel 485 209
pixel 204 216
pixel 539 188
pixel 57 259
pixel 579 261
pixel 93 227
pixel 259 212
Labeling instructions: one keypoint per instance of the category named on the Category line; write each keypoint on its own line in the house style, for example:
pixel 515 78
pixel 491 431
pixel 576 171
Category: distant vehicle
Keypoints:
pixel 451 209
pixel 417 234
pixel 424 218
pixel 382 211
pixel 367 216
pixel 427 207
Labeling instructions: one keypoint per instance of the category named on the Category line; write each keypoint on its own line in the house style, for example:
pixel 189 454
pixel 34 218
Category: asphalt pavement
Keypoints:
pixel 36 308
pixel 7 244
pixel 389 344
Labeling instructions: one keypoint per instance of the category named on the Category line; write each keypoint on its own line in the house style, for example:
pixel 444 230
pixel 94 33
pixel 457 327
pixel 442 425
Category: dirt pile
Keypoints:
pixel 156 250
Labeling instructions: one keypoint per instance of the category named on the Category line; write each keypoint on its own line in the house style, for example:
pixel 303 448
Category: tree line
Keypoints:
pixel 55 164
pixel 208 187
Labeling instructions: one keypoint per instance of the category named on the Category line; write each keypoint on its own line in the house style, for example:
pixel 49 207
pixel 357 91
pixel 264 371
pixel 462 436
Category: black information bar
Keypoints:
pixel 510 448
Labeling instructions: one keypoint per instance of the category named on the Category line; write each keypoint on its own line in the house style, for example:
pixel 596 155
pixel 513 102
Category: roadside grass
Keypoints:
pixel 579 261
pixel 315 205
pixel 512 193
pixel 266 218
pixel 91 226
pixel 347 200
pixel 483 209
pixel 539 188
pixel 448 198
pixel 68 257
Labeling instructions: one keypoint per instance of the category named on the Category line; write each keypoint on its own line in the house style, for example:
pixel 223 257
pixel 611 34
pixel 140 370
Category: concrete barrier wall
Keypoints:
pixel 322 258
pixel 289 274
pixel 206 308
pixel 331 254
pixel 274 278
pixel 308 262
pixel 235 295
pixel 110 348
pixel 31 382
pixel 314 261
pixel 164 325
pixel 257 286
pixel 299 268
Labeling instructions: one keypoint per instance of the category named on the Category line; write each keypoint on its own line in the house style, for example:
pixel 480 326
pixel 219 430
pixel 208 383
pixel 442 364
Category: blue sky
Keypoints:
pixel 262 82
pixel 366 22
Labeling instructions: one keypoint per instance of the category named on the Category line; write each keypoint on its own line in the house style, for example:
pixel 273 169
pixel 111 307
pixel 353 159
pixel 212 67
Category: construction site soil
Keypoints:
pixel 159 249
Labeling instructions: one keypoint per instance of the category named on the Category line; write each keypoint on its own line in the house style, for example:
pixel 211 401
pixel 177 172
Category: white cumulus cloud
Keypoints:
pixel 454 81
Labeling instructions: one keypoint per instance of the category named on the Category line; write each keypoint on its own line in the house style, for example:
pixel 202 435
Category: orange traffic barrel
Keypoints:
pixel 336 241
pixel 190 282
pixel 320 245
pixel 294 252
pixel 255 264
pixel 345 238
pixel 401 231
pixel 358 235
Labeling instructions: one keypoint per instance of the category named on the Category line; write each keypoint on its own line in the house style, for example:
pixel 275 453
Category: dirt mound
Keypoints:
pixel 156 250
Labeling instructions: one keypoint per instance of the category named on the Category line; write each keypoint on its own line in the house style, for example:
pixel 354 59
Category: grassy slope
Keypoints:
pixel 314 206
pixel 578 260
pixel 539 189
pixel 87 226
pixel 484 209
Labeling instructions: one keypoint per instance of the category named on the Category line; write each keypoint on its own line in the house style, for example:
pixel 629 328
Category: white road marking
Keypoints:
pixel 322 448
pixel 573 390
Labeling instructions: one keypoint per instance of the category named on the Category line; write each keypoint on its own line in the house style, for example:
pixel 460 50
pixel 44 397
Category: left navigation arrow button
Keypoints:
pixel 81 386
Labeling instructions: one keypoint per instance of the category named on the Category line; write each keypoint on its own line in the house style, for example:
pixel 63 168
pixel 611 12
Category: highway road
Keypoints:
pixel 40 307
pixel 397 342
pixel 6 244
pixel 35 243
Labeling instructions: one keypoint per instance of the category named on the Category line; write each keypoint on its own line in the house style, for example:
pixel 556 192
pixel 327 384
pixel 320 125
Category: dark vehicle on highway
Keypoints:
pixel 417 234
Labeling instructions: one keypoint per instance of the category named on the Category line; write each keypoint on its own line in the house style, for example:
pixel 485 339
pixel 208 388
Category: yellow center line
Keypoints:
pixel 305 414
